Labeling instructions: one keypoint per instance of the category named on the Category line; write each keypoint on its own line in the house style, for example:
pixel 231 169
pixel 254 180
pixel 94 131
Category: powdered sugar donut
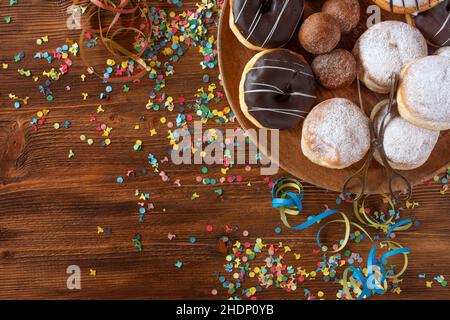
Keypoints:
pixel 335 134
pixel 423 96
pixel 385 49
pixel 406 146
pixel 406 6
pixel 444 51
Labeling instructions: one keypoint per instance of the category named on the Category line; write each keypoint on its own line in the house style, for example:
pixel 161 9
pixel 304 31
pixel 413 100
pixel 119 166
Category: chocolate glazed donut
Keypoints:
pixel 260 24
pixel 277 89
pixel 435 24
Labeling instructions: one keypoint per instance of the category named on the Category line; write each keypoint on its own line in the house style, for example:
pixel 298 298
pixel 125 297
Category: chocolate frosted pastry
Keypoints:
pixel 406 6
pixel 277 89
pixel 260 24
pixel 435 24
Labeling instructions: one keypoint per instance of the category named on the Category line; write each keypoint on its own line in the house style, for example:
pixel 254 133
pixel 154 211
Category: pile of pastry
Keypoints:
pixel 278 88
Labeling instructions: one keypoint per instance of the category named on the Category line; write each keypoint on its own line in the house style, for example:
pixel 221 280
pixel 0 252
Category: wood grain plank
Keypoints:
pixel 50 206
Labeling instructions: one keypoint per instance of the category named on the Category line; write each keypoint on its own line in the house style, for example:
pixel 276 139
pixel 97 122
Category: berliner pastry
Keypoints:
pixel 406 6
pixel 385 49
pixel 335 134
pixel 435 24
pixel 277 89
pixel 335 70
pixel 406 146
pixel 265 24
pixel 320 33
pixel 346 12
pixel 423 96
pixel 444 51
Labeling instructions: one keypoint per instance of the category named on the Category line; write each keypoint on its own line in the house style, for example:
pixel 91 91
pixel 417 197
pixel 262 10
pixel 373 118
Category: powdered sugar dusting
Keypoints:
pixel 444 52
pixel 337 130
pixel 405 143
pixel 426 88
pixel 387 47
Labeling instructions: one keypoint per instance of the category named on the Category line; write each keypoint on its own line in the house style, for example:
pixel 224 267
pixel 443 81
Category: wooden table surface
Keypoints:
pixel 50 206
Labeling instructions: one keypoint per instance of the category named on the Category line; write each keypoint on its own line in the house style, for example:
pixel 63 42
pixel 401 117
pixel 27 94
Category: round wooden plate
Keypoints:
pixel 233 57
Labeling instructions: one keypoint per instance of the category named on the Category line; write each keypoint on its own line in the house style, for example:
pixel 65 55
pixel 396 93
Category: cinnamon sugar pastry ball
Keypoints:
pixel 335 70
pixel 444 51
pixel 335 134
pixel 406 6
pixel 346 12
pixel 423 96
pixel 319 33
pixel 265 24
pixel 406 146
pixel 385 49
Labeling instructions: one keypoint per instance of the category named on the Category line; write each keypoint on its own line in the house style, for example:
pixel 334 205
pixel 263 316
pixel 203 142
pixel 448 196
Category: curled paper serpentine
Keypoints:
pixel 124 14
pixel 361 214
pixel 287 196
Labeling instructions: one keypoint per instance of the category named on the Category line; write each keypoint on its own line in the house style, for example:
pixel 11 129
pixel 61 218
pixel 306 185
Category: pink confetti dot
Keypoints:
pixel 245 233
pixel 214 292
pixel 209 228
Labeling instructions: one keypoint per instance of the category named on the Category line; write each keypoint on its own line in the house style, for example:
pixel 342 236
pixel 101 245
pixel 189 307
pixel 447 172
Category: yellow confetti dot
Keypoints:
pixel 320 294
pixel 163 120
